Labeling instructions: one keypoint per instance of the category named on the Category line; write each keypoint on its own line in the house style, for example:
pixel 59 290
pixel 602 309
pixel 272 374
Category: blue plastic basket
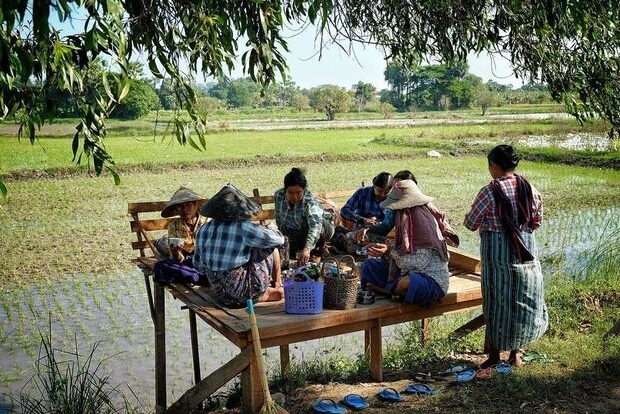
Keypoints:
pixel 303 297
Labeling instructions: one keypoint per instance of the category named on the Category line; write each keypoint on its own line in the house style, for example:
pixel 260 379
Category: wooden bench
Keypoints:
pixel 277 328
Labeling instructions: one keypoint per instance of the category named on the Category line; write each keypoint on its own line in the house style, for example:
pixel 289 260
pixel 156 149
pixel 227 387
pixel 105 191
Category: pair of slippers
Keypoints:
pixel 328 406
pixel 391 395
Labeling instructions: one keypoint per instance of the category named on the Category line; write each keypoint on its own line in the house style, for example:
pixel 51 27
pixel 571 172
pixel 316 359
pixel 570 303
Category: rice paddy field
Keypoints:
pixel 66 267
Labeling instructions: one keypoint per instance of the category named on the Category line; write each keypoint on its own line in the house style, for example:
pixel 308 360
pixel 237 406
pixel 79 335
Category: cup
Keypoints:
pixel 358 269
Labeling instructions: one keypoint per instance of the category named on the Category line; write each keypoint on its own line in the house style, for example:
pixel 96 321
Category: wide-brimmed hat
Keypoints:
pixel 182 195
pixel 230 204
pixel 405 194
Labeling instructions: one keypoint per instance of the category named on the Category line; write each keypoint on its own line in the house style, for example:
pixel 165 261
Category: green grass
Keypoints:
pixel 134 143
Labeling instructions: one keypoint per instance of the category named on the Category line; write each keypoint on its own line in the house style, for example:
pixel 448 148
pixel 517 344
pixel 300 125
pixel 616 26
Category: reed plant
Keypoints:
pixel 70 383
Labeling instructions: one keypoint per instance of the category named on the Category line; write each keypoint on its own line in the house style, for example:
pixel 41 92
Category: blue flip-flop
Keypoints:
pixel 503 368
pixel 327 406
pixel 390 394
pixel 355 402
pixel 420 389
pixel 465 376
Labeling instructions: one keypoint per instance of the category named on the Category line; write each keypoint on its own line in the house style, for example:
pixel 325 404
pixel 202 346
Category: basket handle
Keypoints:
pixel 325 266
pixel 351 259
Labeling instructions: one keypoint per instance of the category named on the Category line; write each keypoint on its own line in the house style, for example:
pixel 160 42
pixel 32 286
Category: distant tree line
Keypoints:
pixel 424 88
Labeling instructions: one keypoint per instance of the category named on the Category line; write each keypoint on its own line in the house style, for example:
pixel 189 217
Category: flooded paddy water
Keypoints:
pixel 112 311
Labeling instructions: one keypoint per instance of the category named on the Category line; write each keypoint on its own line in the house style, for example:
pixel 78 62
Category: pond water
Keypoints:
pixel 112 312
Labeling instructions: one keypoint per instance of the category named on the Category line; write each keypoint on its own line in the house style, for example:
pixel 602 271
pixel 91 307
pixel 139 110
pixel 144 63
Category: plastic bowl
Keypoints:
pixel 176 241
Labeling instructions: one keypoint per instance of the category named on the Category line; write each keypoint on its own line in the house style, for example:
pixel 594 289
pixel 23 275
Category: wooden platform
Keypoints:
pixel 277 328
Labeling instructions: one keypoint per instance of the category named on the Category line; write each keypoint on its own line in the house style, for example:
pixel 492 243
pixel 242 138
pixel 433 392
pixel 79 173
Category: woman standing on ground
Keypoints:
pixel 506 212
pixel 301 218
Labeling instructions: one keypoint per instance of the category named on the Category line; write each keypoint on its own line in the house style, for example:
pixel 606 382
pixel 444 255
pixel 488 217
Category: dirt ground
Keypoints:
pixel 476 396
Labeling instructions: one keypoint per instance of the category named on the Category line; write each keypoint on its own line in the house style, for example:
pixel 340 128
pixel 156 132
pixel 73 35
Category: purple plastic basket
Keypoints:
pixel 303 297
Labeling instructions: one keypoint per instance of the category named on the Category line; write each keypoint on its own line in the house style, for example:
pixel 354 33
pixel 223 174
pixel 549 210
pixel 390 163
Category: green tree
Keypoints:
pixel 363 94
pixel 140 100
pixel 207 105
pixel 167 97
pixel 485 98
pixel 300 101
pixel 330 99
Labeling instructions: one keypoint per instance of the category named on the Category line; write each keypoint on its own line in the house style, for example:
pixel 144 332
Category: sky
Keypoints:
pixel 367 64
pixel 309 68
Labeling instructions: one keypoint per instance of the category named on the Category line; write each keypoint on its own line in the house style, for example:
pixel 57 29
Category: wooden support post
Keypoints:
pixel 373 339
pixel 252 398
pixel 425 324
pixel 209 385
pixel 285 359
pixel 160 348
pixel 193 332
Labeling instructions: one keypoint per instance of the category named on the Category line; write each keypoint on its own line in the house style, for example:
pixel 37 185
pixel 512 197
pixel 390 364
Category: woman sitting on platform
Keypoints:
pixel 301 218
pixel 416 267
pixel 239 257
pixel 177 246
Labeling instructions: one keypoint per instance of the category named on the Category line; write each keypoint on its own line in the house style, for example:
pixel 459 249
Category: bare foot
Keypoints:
pixel 489 363
pixel 402 286
pixel 516 358
pixel 272 295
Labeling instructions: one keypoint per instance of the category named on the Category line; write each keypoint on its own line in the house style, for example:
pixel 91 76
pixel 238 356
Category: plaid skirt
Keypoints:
pixel 233 287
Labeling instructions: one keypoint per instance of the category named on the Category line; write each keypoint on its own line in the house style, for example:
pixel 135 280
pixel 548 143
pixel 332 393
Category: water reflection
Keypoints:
pixel 576 242
pixel 577 142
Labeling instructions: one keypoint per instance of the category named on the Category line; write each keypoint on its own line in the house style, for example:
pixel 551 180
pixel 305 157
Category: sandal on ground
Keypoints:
pixel 465 376
pixel 484 373
pixel 390 395
pixel 327 406
pixel 503 368
pixel 420 389
pixel 355 402
pixel 455 369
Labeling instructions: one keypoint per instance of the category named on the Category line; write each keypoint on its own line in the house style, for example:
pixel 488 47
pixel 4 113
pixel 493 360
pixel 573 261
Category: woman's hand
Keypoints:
pixel 360 236
pixel 370 221
pixel 376 249
pixel 303 256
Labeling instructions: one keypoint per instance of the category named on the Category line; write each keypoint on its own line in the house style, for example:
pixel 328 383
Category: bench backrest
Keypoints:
pixel 148 225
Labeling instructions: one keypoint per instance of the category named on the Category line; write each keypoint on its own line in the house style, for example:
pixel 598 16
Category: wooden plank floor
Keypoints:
pixel 276 327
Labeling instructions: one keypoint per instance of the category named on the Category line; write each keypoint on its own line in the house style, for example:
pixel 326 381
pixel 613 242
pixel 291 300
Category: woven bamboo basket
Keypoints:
pixel 341 288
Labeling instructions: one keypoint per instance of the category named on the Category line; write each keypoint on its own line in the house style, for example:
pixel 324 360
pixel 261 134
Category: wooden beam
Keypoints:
pixel 376 350
pixel 206 387
pixel 469 327
pixel 193 334
pixel 463 260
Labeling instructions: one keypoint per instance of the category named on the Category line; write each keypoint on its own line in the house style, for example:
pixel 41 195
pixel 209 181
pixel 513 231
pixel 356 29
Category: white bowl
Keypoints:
pixel 176 241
